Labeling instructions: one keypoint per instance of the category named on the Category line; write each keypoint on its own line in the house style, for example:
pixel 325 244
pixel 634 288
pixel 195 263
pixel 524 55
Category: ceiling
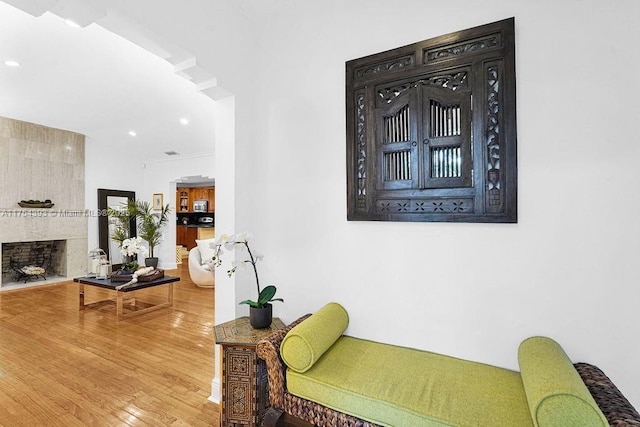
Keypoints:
pixel 94 82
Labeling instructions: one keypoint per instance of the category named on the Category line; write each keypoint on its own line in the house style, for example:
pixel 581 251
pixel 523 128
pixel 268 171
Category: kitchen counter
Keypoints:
pixel 206 233
pixel 196 225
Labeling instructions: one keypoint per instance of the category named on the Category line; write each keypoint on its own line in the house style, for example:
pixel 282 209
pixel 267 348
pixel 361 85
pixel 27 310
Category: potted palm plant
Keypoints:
pixel 260 310
pixel 150 225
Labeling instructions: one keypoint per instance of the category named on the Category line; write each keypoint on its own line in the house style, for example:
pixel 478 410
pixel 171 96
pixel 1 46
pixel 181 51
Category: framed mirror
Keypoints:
pixel 115 199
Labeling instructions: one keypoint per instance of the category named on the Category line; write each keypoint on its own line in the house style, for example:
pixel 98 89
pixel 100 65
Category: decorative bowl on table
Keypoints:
pixel 35 204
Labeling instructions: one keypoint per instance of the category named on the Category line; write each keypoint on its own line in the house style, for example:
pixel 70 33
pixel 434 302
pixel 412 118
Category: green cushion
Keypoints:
pixel 307 342
pixel 555 392
pixel 398 386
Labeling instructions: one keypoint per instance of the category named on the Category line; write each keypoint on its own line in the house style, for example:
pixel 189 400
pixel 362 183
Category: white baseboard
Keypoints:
pixel 215 391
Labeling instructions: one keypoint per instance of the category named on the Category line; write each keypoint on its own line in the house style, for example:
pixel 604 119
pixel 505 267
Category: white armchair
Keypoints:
pixel 201 274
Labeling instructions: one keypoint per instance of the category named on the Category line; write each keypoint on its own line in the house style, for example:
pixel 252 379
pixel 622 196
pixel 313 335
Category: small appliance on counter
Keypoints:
pixel 206 220
pixel 200 205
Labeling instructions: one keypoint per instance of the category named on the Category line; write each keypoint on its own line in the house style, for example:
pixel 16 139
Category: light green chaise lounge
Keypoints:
pixel 332 379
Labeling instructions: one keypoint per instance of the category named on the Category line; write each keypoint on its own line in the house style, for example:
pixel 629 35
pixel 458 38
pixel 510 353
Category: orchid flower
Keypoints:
pixel 240 242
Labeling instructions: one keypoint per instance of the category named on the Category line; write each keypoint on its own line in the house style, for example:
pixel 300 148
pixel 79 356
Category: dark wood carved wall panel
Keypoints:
pixel 431 130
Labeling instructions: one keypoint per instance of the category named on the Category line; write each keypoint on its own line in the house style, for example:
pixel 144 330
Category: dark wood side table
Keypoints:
pixel 245 389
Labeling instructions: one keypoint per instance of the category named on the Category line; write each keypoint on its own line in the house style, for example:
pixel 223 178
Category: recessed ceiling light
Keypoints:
pixel 184 121
pixel 71 23
pixel 11 63
pixel 132 133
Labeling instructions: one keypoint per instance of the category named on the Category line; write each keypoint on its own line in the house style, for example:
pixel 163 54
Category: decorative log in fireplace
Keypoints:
pixel 32 269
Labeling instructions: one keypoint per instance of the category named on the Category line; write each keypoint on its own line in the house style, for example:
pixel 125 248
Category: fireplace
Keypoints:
pixel 36 260
pixel 59 240
pixel 42 163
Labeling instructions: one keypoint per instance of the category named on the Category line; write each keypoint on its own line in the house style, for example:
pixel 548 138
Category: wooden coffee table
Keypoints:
pixel 125 294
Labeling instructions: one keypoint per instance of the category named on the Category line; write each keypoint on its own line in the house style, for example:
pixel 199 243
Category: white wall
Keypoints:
pixel 566 270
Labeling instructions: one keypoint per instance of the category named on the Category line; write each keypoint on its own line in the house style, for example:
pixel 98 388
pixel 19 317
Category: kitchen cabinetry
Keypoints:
pixel 200 193
pixel 185 196
pixel 186 236
pixel 211 197
pixel 183 199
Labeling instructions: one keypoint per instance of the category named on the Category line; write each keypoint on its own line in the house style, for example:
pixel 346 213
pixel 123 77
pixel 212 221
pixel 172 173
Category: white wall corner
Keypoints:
pixel 216 93
pixel 184 64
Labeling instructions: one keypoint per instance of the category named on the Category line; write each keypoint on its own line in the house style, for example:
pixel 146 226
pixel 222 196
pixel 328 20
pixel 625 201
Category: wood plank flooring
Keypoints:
pixel 60 366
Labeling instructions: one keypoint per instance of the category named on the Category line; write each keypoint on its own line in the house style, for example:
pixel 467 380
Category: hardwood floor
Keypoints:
pixel 60 366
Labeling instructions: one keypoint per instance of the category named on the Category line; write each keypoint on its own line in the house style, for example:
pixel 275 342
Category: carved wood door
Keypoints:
pixel 431 130
pixel 396 140
pixel 447 146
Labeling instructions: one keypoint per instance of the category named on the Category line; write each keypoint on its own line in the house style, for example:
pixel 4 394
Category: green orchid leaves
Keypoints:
pixel 266 296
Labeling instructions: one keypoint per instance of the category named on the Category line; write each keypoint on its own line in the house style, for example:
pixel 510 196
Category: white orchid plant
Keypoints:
pixel 131 247
pixel 240 242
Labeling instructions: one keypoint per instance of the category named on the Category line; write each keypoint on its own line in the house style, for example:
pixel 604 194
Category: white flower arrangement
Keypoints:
pixel 133 246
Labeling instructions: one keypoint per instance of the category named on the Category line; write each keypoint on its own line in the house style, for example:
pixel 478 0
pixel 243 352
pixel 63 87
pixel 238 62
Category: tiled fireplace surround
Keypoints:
pixel 38 162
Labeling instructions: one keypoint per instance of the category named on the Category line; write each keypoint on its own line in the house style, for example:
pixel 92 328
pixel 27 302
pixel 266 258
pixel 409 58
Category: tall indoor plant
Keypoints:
pixel 260 310
pixel 150 225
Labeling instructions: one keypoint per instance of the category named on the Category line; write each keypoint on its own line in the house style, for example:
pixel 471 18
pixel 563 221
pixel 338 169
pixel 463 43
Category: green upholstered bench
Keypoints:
pixel 331 379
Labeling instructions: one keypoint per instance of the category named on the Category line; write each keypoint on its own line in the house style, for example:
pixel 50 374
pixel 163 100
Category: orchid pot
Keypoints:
pixel 261 317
